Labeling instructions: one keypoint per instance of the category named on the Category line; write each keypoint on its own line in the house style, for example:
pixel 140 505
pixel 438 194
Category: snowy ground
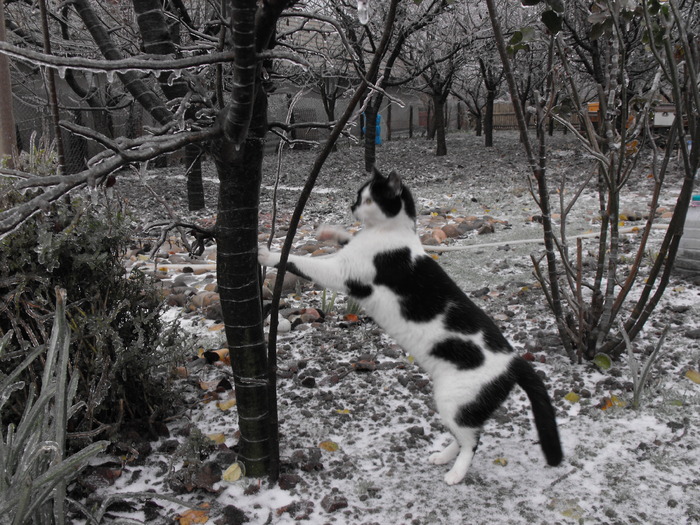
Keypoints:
pixel 355 438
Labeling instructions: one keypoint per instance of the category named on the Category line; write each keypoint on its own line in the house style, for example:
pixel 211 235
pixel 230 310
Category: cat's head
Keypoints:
pixel 382 199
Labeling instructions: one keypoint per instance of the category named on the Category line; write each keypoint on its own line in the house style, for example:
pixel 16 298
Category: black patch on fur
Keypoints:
pixel 358 289
pixel 422 285
pixel 465 355
pixel 467 318
pixel 291 267
pixel 475 413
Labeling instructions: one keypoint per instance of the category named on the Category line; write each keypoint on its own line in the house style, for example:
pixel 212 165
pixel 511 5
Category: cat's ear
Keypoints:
pixel 376 174
pixel 394 183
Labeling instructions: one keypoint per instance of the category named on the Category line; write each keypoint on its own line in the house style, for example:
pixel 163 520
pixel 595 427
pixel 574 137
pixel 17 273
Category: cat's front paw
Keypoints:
pixel 327 232
pixel 454 476
pixel 267 258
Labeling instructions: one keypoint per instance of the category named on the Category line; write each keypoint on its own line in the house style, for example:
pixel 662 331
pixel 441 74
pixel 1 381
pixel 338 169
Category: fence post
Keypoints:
pixel 410 122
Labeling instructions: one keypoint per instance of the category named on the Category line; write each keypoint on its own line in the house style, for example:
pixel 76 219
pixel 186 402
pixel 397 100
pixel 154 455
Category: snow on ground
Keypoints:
pixel 621 465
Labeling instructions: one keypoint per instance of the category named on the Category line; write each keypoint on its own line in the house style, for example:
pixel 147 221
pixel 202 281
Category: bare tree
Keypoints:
pixel 586 309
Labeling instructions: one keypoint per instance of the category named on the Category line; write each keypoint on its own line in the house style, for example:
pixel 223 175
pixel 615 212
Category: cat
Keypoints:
pixel 409 295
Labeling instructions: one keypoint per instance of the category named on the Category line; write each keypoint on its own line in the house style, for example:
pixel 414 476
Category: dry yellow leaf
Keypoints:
pixel 216 327
pixel 193 516
pixel 693 375
pixel 329 446
pixel 500 461
pixel 572 397
pixel 226 404
pixel 233 473
pixel 343 411
pixel 217 438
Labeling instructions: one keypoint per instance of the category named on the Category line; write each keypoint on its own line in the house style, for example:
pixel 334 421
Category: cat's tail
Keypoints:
pixel 542 408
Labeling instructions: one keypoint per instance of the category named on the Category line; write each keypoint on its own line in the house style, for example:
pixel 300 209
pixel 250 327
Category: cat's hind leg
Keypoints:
pixel 467 439
pixel 446 455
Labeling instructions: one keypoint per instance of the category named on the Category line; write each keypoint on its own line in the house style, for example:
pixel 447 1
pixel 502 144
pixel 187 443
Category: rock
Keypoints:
pixel 308 382
pixel 283 326
pixel 693 334
pixel 176 299
pixel 289 481
pixel 469 225
pixel 300 510
pixel 485 228
pixel 232 515
pixel 428 240
pixel 334 502
pixel 214 312
pixel 203 299
pixel 184 279
pixel 365 365
pixel 451 231
pixel 439 235
pixel 480 292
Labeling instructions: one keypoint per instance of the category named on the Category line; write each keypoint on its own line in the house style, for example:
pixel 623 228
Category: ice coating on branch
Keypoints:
pixel 362 11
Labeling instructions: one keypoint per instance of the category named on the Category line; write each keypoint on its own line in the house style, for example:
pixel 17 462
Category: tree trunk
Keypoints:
pixel 7 121
pixel 240 175
pixel 439 103
pixel 488 118
pixel 158 40
pixel 131 80
pixel 430 124
pixel 370 136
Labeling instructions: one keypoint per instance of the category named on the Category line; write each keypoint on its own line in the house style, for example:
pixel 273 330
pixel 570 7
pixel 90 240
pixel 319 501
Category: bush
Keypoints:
pixel 119 340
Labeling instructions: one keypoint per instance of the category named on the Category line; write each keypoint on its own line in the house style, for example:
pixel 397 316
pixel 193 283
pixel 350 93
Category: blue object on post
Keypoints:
pixel 377 129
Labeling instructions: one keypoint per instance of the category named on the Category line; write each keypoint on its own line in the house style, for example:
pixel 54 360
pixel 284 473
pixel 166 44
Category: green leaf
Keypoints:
pixel 552 21
pixel 603 361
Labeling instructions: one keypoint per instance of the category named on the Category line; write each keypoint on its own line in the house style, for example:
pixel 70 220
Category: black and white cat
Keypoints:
pixel 472 365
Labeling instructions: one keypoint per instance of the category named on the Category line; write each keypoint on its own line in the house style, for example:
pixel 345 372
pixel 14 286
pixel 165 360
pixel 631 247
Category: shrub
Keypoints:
pixel 119 340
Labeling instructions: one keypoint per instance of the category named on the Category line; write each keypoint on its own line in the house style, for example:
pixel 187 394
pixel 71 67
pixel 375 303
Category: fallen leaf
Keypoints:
pixel 351 318
pixel 693 375
pixel 343 411
pixel 219 438
pixel 192 516
pixel 181 371
pixel 572 397
pixel 329 446
pixel 603 361
pixel 233 473
pixel 227 404
pixel 612 401
pixel 500 461
pixel 216 327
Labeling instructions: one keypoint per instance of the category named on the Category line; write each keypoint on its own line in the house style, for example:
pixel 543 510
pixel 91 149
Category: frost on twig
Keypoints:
pixel 363 11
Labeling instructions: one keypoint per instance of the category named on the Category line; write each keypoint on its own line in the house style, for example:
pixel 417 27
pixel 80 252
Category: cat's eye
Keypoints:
pixel 368 200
